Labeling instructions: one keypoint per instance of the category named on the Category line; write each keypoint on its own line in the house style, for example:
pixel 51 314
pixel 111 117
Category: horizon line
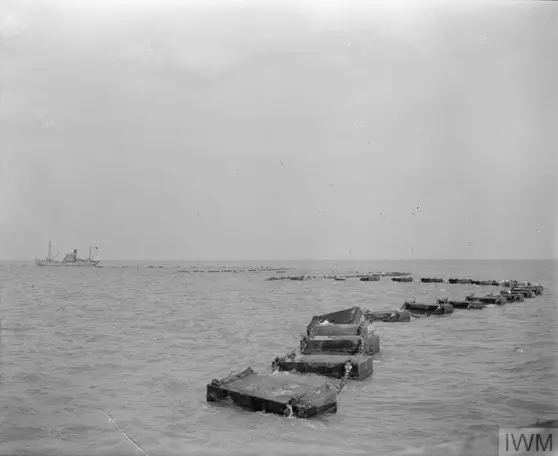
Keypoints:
pixel 306 259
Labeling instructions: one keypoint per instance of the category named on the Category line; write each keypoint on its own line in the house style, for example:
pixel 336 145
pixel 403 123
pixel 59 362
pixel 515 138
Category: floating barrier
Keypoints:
pixel 485 282
pixel 454 280
pixel 346 345
pixel 288 395
pixel 390 316
pixel 224 269
pixel 460 304
pixel 333 330
pixel 370 278
pixel 535 289
pixel 467 281
pixel 516 283
pixel 474 305
pixel 392 274
pixel 331 365
pixel 302 277
pixel 512 297
pixel 488 299
pixel 327 337
pixel 341 344
pixel 427 308
pixel 336 344
pixel 523 284
pixel 341 317
pixel 402 279
pixel 527 293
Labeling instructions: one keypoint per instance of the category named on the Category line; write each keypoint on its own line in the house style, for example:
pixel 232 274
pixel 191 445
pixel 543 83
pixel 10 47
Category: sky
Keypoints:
pixel 213 130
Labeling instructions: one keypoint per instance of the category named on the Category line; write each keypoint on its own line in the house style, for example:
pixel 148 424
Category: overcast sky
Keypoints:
pixel 173 130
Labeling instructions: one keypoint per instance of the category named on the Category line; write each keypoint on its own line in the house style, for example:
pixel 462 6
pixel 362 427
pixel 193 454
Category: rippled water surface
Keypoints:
pixel 141 344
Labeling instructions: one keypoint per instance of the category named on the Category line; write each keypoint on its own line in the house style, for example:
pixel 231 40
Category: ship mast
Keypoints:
pixel 89 252
pixel 49 249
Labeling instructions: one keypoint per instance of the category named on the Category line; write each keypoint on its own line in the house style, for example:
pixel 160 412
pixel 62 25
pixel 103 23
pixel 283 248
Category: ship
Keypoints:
pixel 71 259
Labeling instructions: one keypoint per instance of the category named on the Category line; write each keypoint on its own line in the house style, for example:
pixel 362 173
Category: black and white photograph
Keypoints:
pixel 279 227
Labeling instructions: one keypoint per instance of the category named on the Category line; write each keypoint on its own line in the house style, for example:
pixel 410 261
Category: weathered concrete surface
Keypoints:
pixel 278 393
pixel 340 317
pixel 360 329
pixel 488 299
pixel 344 345
pixel 331 365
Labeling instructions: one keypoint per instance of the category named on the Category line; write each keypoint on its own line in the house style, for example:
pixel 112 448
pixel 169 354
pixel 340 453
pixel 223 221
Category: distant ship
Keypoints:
pixel 71 259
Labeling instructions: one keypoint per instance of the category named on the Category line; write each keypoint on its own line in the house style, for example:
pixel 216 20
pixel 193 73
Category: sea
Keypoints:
pixel 115 360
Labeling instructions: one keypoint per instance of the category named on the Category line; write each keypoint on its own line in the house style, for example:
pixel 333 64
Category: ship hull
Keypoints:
pixel 91 264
